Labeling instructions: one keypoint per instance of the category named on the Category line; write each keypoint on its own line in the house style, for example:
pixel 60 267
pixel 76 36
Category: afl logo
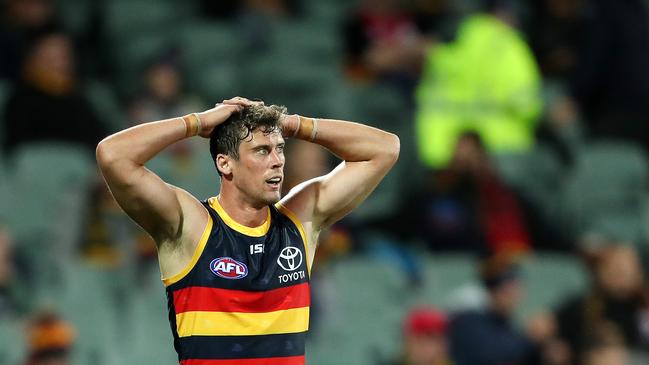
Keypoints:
pixel 290 258
pixel 228 268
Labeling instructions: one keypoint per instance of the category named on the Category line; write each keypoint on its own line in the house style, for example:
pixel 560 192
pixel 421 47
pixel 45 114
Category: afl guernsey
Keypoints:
pixel 244 298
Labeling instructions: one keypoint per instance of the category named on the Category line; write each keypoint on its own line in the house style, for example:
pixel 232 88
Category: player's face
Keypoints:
pixel 259 172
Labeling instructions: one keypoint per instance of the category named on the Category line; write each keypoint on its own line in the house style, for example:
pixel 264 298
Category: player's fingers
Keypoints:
pixel 235 102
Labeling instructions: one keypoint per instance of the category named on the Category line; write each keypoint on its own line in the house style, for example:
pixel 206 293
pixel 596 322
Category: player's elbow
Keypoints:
pixel 392 148
pixel 105 154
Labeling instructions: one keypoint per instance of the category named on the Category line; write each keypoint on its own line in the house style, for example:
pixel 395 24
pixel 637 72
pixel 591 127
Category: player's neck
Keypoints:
pixel 241 210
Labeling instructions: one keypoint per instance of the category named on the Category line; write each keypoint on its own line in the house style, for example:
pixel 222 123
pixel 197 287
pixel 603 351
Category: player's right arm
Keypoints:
pixel 156 206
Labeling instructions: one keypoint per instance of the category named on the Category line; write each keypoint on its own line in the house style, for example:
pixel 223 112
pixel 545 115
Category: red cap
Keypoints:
pixel 425 321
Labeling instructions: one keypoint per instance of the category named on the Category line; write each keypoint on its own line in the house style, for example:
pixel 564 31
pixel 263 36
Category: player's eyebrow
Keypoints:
pixel 266 146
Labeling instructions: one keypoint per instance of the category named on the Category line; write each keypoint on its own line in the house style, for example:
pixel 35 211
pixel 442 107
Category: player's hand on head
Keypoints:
pixel 290 125
pixel 239 100
pixel 215 116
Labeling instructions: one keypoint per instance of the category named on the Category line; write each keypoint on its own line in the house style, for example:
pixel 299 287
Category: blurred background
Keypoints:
pixel 513 230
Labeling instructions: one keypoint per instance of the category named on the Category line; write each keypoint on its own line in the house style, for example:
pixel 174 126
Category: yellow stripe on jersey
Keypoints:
pixel 248 231
pixel 197 255
pixel 242 324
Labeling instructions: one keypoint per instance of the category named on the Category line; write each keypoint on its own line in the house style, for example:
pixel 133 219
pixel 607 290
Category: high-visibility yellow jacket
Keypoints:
pixel 487 81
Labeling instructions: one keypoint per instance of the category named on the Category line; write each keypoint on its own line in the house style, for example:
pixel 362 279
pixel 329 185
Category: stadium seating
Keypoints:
pixel 604 193
pixel 106 105
pixel 48 187
pixel 367 298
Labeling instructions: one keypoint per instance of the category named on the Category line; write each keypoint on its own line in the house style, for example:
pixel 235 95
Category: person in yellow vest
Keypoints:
pixel 486 81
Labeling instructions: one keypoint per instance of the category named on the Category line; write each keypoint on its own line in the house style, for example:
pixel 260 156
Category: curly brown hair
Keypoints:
pixel 227 137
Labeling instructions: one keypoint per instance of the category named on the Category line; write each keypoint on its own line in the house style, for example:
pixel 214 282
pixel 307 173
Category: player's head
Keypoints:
pixel 248 151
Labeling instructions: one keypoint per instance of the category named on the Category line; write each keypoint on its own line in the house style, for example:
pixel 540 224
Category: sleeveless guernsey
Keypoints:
pixel 244 298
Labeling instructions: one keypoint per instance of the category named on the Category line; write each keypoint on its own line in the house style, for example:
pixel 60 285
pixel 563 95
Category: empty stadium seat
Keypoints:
pixel 603 194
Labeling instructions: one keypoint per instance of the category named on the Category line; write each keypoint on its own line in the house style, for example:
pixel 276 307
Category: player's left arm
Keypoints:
pixel 368 154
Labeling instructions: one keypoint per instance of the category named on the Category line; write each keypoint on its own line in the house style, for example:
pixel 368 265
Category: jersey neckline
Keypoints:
pixel 258 231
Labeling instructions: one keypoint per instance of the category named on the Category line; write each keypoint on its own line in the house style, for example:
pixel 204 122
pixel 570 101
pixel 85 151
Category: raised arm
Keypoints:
pixel 157 207
pixel 367 153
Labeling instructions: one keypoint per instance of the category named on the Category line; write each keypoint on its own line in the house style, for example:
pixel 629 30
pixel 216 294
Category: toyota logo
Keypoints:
pixel 290 258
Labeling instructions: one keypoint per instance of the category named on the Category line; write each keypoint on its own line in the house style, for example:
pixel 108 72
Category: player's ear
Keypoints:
pixel 224 164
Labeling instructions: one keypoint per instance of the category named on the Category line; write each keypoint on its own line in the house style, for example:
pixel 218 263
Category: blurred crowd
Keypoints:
pixel 525 127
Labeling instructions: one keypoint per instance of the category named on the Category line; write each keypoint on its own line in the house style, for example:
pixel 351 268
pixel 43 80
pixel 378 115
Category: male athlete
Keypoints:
pixel 236 267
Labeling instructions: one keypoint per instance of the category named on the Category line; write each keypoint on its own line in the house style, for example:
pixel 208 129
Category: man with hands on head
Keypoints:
pixel 236 266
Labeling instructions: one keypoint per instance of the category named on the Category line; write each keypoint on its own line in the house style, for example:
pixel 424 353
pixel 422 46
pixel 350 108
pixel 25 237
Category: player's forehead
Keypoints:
pixel 261 138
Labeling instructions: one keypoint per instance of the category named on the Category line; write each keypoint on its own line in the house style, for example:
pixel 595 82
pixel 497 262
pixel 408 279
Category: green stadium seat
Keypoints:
pixel 205 43
pixel 45 178
pixel 196 175
pixel 48 186
pixel 151 330
pixel 603 195
pixel 91 301
pixel 106 105
pixel 124 18
pixel 75 14
pixel 211 54
pixel 536 174
pixel 549 279
pixel 131 56
pixel 12 341
pixel 328 12
pixel 306 41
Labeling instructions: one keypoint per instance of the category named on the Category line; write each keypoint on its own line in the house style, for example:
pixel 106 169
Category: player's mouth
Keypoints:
pixel 274 182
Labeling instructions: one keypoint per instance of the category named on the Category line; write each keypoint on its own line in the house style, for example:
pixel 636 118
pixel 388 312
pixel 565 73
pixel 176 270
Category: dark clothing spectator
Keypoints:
pixel 465 206
pixel 47 103
pixel 20 22
pixel 611 80
pixel 33 115
pixel 487 338
pixel 555 34
pixel 577 316
pixel 617 298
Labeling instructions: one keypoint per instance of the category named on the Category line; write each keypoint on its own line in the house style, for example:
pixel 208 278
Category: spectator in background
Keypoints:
pixel 50 340
pixel 485 80
pixel 488 337
pixel 605 346
pixel 20 20
pixel 611 79
pixel 47 103
pixel 556 35
pixel 383 41
pixel 465 206
pixel 424 338
pixel 163 91
pixel 616 299
pixel 163 94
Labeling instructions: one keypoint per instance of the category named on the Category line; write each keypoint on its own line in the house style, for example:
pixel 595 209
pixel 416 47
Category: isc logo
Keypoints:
pixel 228 268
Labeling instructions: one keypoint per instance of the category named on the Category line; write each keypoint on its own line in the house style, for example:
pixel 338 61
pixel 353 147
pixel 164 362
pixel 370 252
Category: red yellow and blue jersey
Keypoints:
pixel 244 298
